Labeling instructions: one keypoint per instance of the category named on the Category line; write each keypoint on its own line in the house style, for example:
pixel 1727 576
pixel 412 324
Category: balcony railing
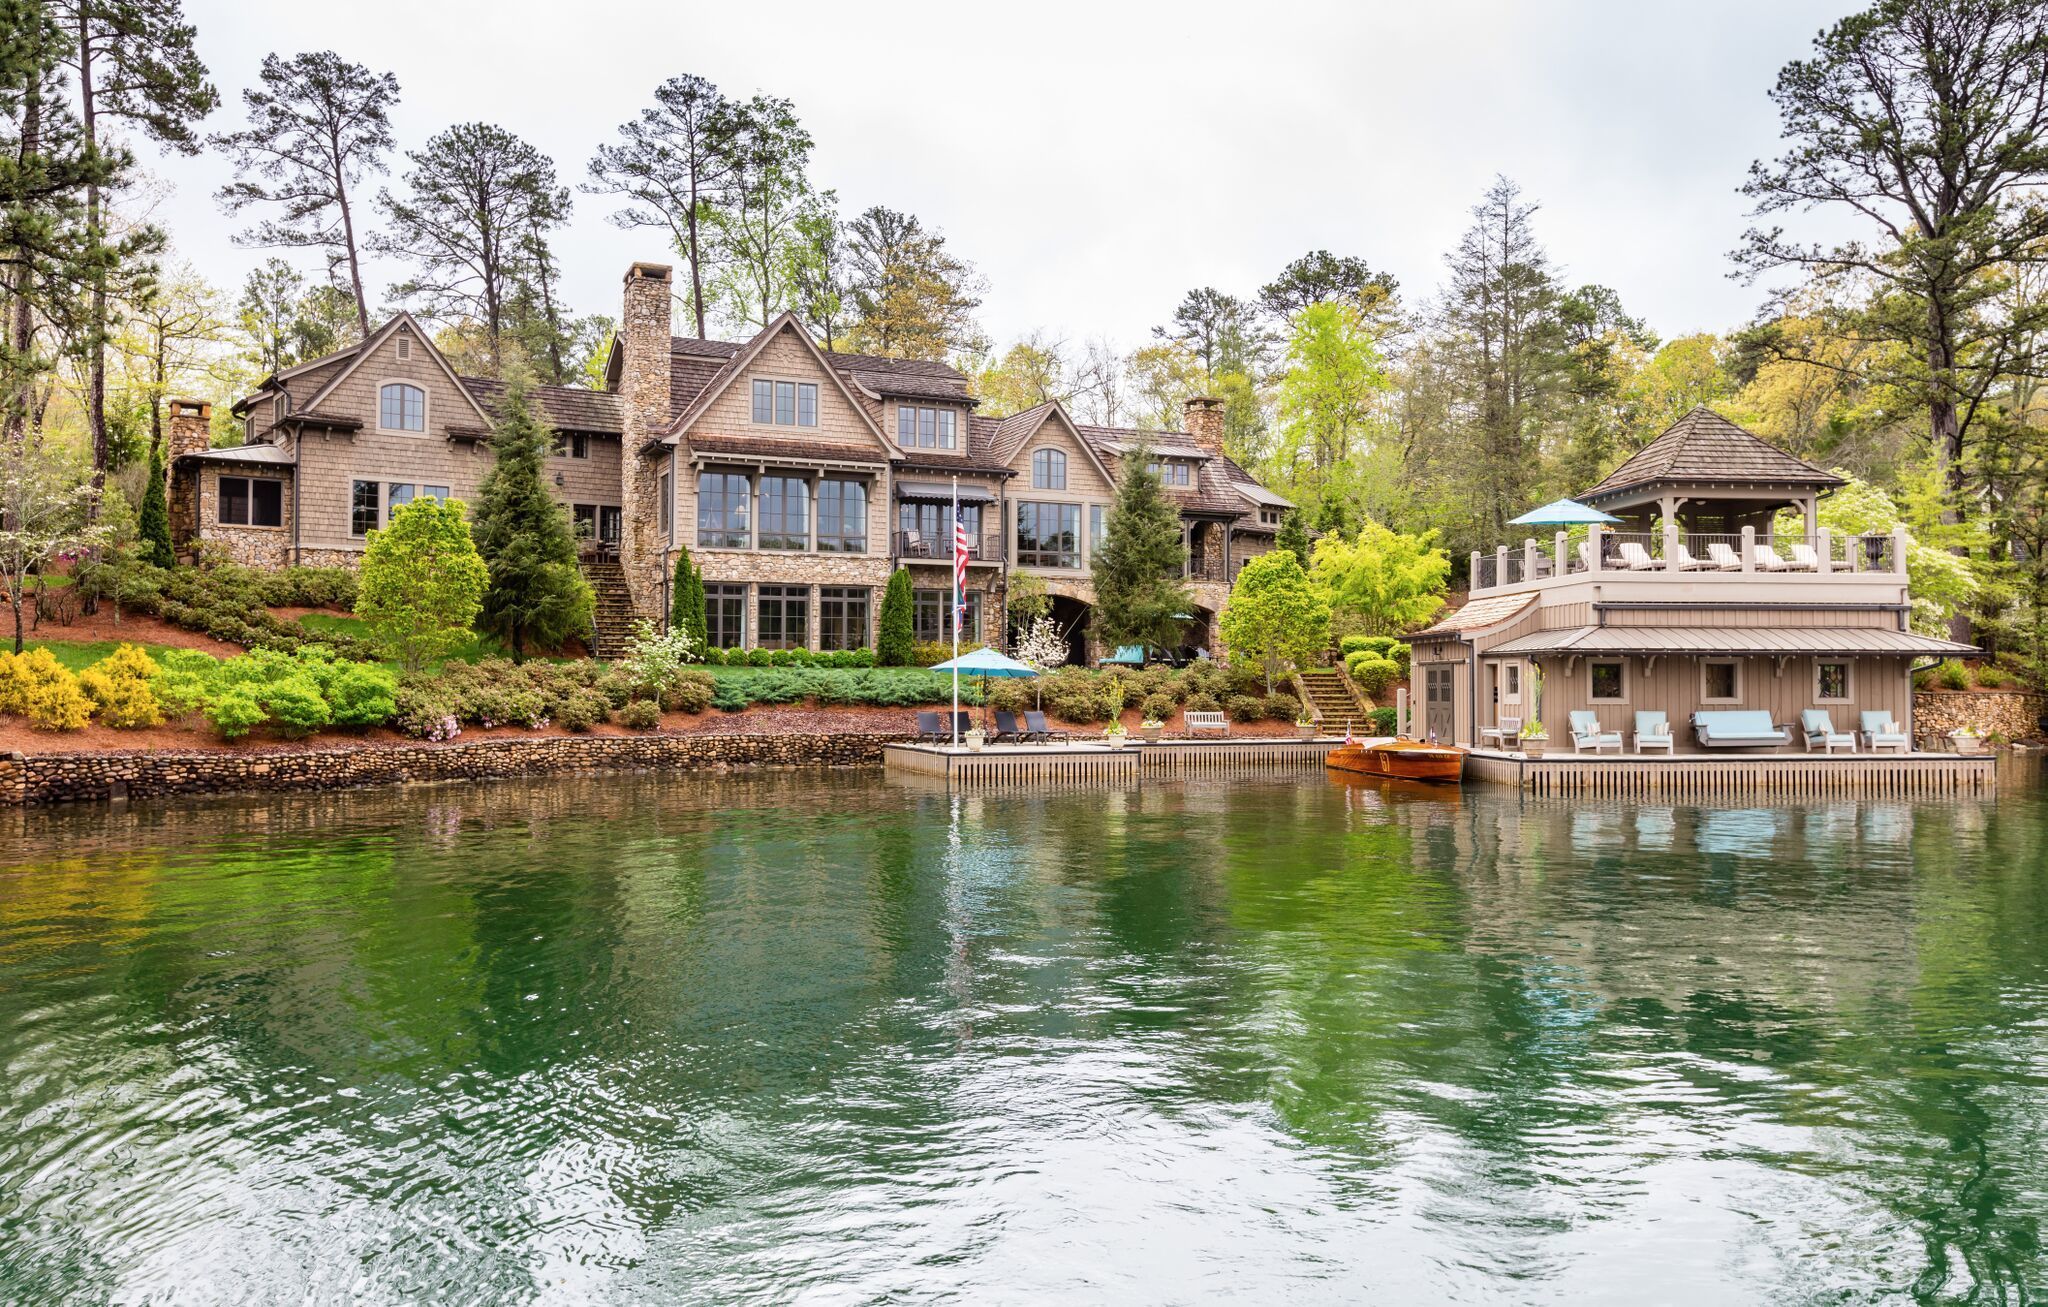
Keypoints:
pixel 1690 553
pixel 939 549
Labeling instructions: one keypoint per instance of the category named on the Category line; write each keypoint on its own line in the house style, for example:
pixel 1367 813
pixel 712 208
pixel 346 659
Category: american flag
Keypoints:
pixel 959 568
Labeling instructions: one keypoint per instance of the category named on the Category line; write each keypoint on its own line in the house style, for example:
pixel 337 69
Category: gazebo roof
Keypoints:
pixel 1703 448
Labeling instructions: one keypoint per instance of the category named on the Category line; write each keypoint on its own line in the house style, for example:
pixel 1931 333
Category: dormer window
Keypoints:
pixel 1171 473
pixel 1048 470
pixel 785 403
pixel 926 428
pixel 401 407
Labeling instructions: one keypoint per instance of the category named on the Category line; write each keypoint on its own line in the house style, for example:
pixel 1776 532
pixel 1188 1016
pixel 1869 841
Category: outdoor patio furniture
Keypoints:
pixel 931 728
pixel 1819 730
pixel 1804 559
pixel 1007 728
pixel 1126 655
pixel 1207 721
pixel 1506 734
pixel 1881 732
pixel 1738 728
pixel 1770 560
pixel 1585 555
pixel 1636 557
pixel 914 545
pixel 1586 734
pixel 1688 563
pixel 1653 731
pixel 1724 557
pixel 964 722
pixel 1035 724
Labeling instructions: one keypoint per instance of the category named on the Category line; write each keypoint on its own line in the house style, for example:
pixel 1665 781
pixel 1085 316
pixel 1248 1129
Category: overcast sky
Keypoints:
pixel 1097 160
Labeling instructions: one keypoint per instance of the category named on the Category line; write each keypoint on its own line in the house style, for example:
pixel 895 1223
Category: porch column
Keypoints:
pixel 1594 538
pixel 1529 559
pixel 1749 549
pixel 1561 544
pixel 1809 508
pixel 1899 550
pixel 1824 545
pixel 1671 542
pixel 1475 569
pixel 1500 565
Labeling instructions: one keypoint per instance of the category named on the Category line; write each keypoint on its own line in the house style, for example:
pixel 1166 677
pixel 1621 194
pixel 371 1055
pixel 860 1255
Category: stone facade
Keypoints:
pixel 2009 714
pixel 187 430
pixel 251 546
pixel 33 779
pixel 644 385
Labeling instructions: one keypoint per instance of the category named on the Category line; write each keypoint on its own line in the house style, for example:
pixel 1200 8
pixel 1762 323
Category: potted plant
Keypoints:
pixel 1534 737
pixel 975 737
pixel 1113 734
pixel 1151 728
pixel 1965 740
pixel 1306 725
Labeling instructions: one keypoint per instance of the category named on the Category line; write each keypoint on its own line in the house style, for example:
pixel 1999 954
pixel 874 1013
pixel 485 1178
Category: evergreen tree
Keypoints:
pixel 154 542
pixel 1138 590
pixel 686 601
pixel 895 632
pixel 536 592
pixel 1293 535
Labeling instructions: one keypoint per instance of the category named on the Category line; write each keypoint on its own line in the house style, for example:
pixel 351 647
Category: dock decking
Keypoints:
pixel 1004 764
pixel 1693 776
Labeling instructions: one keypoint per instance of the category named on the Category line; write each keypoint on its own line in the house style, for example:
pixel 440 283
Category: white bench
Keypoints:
pixel 1507 734
pixel 1207 721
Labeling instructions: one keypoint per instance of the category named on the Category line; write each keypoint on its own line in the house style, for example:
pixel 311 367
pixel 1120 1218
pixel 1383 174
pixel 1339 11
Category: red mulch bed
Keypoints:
pixel 140 628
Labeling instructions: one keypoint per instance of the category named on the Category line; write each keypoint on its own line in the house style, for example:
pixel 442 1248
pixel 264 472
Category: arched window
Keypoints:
pixel 402 408
pixel 1048 470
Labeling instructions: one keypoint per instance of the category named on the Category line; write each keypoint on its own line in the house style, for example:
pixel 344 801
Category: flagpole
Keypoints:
pixel 953 535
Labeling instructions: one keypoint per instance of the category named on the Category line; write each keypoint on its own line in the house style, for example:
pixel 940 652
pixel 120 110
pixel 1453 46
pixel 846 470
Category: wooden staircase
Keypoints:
pixel 1327 692
pixel 614 616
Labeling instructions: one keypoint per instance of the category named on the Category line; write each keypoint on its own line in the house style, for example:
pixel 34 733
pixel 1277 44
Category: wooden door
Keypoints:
pixel 1439 702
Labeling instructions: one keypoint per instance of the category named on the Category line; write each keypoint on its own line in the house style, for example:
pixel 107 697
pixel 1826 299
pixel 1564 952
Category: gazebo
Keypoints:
pixel 1711 478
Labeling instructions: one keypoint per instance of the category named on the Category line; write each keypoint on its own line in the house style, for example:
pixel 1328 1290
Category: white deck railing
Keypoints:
pixel 1673 551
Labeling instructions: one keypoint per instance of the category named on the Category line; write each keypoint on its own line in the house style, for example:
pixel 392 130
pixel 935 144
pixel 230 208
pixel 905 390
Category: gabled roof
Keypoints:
pixel 1477 615
pixel 746 354
pixel 1705 448
pixel 566 408
pixel 375 340
pixel 1016 430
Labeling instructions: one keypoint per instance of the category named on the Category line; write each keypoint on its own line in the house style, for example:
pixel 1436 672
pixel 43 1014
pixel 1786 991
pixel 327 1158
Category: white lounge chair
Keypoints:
pixel 1881 732
pixel 1507 733
pixel 1804 559
pixel 1771 560
pixel 1653 731
pixel 1819 730
pixel 1636 557
pixel 1687 563
pixel 1585 555
pixel 1724 557
pixel 1586 734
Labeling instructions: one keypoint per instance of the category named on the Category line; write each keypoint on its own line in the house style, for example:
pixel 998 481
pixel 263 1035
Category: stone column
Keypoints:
pixel 187 430
pixel 644 386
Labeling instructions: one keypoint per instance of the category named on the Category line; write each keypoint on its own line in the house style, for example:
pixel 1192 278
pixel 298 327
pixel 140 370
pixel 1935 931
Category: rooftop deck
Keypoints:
pixel 1659 559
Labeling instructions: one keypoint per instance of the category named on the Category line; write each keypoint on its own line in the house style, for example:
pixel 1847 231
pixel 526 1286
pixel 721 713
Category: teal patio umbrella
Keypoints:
pixel 983 663
pixel 1564 512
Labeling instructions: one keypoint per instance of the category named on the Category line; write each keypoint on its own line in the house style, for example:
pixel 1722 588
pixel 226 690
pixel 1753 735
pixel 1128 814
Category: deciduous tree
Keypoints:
pixel 1276 614
pixel 1388 582
pixel 422 582
pixel 912 297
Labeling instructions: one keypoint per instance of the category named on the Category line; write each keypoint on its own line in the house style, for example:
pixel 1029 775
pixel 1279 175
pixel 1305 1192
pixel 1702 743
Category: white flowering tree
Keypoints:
pixel 1043 648
pixel 45 514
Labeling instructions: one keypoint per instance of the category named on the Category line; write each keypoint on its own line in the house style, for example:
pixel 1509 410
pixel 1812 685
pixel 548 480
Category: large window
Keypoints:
pixel 929 521
pixel 251 501
pixel 783 620
pixel 722 510
pixel 785 403
pixel 842 517
pixel 402 408
pixel 362 508
pixel 785 513
pixel 931 616
pixel 927 428
pixel 1720 681
pixel 1049 535
pixel 842 617
pixel 1048 470
pixel 725 616
pixel 372 503
pixel 1610 681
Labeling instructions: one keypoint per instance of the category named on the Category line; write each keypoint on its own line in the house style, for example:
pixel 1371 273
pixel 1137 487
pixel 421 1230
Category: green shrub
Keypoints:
pixel 691 693
pixel 1244 708
pixel 1203 702
pixel 295 706
pixel 361 694
pixel 581 710
pixel 640 715
pixel 1374 673
pixel 1383 720
pixel 1157 706
pixel 729 697
pixel 1953 675
pixel 1989 676
pixel 1282 707
pixel 234 712
pixel 932 652
pixel 1352 644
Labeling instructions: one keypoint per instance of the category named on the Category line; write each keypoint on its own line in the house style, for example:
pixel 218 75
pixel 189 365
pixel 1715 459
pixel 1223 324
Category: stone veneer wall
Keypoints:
pixel 2014 714
pixel 71 777
pixel 644 387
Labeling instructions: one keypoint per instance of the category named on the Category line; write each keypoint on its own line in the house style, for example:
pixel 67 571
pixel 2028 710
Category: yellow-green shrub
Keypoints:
pixel 56 703
pixel 119 688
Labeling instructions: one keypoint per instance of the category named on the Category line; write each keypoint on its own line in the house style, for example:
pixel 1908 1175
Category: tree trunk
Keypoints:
pixel 696 263
pixel 348 236
pixel 22 330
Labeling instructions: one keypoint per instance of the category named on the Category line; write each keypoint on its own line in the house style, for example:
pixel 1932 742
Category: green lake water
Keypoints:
pixel 834 1039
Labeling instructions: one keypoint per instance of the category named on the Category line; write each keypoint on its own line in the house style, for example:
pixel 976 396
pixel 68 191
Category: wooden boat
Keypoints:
pixel 1408 760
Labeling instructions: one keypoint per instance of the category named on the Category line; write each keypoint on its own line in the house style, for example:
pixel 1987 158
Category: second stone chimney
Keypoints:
pixel 1203 417
pixel 644 319
pixel 188 429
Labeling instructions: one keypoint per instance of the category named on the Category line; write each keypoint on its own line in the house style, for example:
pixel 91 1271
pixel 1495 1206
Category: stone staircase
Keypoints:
pixel 615 615
pixel 1327 692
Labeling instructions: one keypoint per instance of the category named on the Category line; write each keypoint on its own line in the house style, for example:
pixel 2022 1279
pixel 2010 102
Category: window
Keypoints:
pixel 725 616
pixel 362 508
pixel 931 612
pixel 842 517
pixel 906 426
pixel 783 620
pixel 404 347
pixel 1171 473
pixel 722 511
pixel 1098 526
pixel 1049 535
pixel 1830 682
pixel 1511 683
pixel 573 444
pixel 402 408
pixel 251 501
pixel 583 518
pixel 929 521
pixel 1610 684
pixel 1720 681
pixel 786 403
pixel 610 518
pixel 1048 470
pixel 785 513
pixel 665 505
pixel 927 428
pixel 842 617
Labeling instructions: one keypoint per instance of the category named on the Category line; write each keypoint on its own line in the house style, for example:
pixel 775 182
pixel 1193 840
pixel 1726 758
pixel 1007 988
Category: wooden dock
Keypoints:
pixel 1694 777
pixel 1029 764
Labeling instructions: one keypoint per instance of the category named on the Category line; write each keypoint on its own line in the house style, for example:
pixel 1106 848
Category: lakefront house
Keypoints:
pixel 797 478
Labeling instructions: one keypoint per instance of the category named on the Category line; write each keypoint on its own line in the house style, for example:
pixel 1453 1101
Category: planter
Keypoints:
pixel 1966 743
pixel 1152 733
pixel 1114 741
pixel 1533 745
pixel 1307 732
pixel 975 737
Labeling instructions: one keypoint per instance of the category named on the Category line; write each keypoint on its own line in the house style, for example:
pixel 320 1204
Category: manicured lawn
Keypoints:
pixel 81 654
pixel 474 650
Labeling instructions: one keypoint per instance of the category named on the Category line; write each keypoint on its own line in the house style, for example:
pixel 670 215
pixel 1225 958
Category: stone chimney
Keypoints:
pixel 189 428
pixel 644 386
pixel 1203 418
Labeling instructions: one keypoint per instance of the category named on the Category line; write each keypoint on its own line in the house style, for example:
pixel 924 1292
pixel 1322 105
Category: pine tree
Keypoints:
pixel 1138 591
pixel 536 593
pixel 686 601
pixel 895 633
pixel 1293 535
pixel 154 542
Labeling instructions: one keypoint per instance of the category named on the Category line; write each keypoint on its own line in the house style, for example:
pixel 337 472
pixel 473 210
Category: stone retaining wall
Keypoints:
pixel 2014 714
pixel 73 777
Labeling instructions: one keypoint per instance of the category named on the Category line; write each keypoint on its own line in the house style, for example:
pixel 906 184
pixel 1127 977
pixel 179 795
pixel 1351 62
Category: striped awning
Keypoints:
pixel 1778 641
pixel 940 492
